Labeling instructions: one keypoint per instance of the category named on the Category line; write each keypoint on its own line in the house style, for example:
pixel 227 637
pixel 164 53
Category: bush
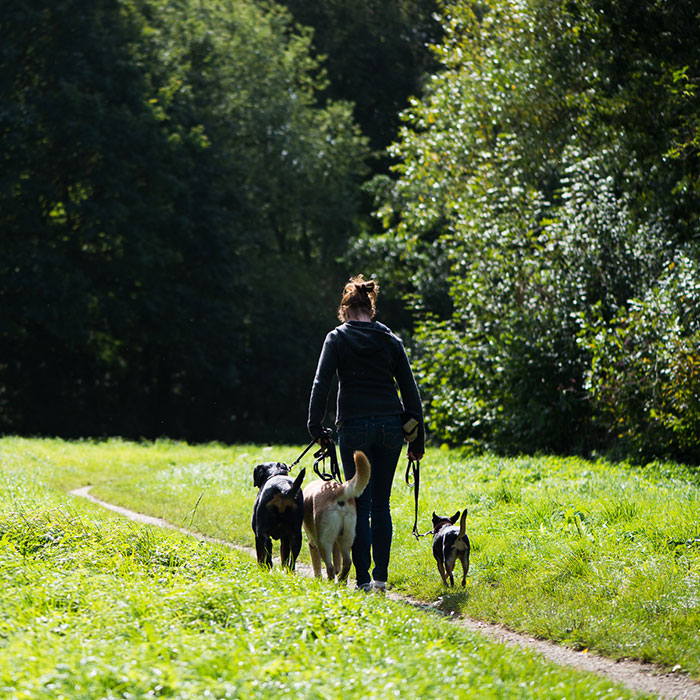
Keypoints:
pixel 644 378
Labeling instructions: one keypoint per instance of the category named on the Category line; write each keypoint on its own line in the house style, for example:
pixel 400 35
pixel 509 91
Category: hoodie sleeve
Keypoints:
pixel 325 371
pixel 410 396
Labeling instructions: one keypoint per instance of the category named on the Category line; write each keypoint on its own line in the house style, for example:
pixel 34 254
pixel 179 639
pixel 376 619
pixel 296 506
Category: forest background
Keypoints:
pixel 186 184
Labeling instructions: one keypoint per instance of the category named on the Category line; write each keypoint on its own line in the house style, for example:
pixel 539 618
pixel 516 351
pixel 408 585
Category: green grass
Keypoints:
pixel 94 606
pixel 593 555
pixel 590 554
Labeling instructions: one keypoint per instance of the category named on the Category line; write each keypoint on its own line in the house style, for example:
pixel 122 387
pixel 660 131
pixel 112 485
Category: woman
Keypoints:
pixel 369 361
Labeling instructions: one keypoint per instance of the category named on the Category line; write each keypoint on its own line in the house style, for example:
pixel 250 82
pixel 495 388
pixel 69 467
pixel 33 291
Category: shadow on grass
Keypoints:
pixel 452 601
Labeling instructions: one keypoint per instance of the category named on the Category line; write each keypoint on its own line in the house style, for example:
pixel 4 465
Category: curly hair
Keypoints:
pixel 360 294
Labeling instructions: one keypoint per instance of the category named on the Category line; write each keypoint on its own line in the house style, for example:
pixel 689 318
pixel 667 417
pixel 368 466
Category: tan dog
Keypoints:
pixel 330 516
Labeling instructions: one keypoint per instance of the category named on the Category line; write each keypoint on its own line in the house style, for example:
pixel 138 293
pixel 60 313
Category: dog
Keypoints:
pixel 449 544
pixel 330 517
pixel 278 513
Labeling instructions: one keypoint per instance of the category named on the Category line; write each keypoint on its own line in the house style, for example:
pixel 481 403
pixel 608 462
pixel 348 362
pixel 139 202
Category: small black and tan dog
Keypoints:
pixel 278 513
pixel 450 543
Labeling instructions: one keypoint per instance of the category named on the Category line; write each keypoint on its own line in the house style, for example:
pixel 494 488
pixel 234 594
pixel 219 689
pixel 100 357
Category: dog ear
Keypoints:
pixel 455 517
pixel 259 475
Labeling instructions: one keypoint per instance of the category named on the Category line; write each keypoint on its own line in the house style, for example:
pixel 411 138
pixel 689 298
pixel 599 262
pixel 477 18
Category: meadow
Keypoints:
pixel 590 554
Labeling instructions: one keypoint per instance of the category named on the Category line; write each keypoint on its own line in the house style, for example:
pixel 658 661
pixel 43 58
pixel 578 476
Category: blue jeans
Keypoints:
pixel 381 439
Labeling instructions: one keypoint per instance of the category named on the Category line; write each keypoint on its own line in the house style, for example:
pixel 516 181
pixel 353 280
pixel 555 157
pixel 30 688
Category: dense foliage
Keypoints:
pixel 180 181
pixel 172 199
pixel 376 54
pixel 544 227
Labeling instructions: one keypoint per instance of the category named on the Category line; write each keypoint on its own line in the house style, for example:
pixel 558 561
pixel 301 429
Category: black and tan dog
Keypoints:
pixel 450 543
pixel 330 517
pixel 277 513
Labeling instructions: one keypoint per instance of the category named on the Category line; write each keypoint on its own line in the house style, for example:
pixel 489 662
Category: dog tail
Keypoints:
pixel 297 484
pixel 355 486
pixel 460 544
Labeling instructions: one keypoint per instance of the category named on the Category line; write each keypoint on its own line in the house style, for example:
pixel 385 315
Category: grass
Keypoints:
pixel 590 554
pixel 94 606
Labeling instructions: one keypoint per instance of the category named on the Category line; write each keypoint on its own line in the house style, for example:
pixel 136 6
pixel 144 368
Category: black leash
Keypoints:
pixel 413 468
pixel 326 451
pixel 298 459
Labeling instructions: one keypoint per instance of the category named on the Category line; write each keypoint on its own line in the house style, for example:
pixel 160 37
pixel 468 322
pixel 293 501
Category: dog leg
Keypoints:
pixel 313 549
pixel 325 551
pixel 344 548
pixel 315 559
pixel 263 548
pixel 465 568
pixel 289 551
pixel 450 562
pixel 285 553
pixel 328 560
pixel 296 548
pixel 336 556
pixel 441 569
pixel 449 568
pixel 347 563
pixel 325 543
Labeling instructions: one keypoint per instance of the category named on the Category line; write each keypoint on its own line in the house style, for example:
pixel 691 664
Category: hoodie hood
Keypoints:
pixel 365 337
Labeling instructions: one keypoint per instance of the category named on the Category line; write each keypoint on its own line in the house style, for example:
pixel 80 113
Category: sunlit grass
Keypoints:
pixel 590 554
pixel 594 555
pixel 94 606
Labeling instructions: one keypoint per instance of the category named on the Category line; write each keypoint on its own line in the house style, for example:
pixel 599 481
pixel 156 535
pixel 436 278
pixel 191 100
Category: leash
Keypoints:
pixel 298 459
pixel 328 452
pixel 413 469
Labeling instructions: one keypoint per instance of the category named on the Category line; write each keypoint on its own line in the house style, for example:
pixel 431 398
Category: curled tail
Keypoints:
pixel 355 486
pixel 460 544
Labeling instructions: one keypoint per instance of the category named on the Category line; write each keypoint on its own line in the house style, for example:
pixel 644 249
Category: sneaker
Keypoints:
pixel 379 586
pixel 364 587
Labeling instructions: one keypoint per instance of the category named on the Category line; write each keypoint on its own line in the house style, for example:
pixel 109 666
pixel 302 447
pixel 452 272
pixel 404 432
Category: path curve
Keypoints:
pixel 641 677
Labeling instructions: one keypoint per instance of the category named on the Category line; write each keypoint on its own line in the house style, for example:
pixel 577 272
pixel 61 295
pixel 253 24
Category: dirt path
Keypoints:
pixel 646 678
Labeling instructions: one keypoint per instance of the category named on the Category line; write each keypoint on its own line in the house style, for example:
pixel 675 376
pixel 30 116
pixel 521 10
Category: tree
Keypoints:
pixel 165 183
pixel 376 55
pixel 535 185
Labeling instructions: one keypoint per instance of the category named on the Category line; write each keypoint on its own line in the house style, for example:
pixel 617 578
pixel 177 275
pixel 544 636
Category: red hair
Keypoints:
pixel 360 294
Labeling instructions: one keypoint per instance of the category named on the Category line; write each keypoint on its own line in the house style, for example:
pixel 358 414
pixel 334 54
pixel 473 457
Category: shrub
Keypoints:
pixel 644 378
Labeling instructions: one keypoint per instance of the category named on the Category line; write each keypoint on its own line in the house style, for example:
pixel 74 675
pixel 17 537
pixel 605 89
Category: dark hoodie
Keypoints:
pixel 370 361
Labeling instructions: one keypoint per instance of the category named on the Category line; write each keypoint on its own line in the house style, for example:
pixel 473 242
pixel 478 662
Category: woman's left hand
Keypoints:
pixel 415 456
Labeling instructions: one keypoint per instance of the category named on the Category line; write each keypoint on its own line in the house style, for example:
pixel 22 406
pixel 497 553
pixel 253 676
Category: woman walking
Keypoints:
pixel 370 361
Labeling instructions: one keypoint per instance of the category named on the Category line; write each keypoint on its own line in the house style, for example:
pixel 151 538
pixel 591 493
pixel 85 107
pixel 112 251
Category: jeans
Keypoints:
pixel 381 439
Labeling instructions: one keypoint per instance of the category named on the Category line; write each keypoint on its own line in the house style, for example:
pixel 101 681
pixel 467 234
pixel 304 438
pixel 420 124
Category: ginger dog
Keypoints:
pixel 330 516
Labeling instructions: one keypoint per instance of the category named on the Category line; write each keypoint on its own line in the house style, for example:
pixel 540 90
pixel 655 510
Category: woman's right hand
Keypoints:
pixel 325 437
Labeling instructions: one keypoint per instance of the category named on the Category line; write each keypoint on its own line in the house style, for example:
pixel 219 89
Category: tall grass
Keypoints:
pixel 591 554
pixel 93 606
